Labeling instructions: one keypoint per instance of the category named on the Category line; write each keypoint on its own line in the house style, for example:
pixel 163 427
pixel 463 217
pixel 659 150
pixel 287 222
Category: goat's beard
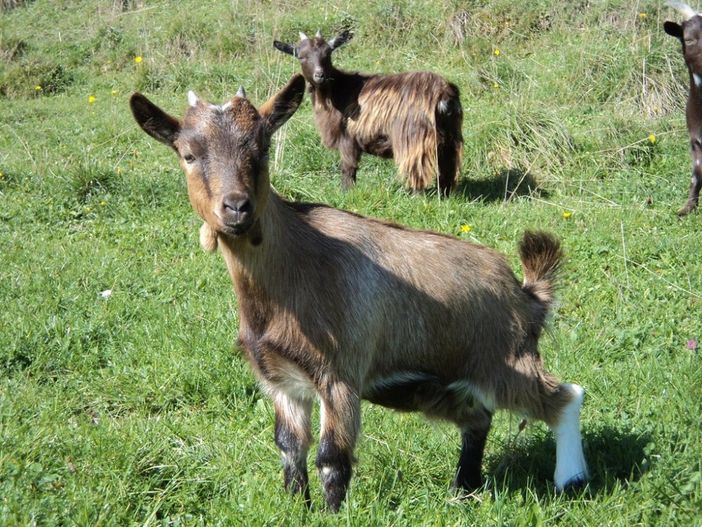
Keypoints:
pixel 251 232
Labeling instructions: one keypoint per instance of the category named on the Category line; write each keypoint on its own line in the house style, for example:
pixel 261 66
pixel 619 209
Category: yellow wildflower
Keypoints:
pixel 103 203
pixel 652 139
pixel 115 93
pixel 466 228
pixel 92 99
pixel 495 86
pixel 643 15
pixel 138 59
pixel 567 214
pixel 37 88
pixel 497 52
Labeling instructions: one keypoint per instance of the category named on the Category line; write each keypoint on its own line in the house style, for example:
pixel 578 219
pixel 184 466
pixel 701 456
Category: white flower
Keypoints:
pixel 107 293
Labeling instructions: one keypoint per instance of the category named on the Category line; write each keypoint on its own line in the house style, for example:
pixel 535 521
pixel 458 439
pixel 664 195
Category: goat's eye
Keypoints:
pixel 690 41
pixel 189 158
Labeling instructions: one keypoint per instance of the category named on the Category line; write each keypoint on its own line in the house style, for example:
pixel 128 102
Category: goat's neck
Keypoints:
pixel 327 91
pixel 340 92
pixel 267 264
pixel 695 84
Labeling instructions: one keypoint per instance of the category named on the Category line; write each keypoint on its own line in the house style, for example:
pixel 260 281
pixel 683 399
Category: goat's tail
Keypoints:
pixel 541 257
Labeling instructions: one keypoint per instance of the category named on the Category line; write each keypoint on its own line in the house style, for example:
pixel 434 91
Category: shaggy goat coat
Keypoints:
pixel 412 117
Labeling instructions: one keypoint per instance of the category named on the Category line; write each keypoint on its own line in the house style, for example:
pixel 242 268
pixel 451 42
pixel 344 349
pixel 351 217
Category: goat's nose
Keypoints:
pixel 318 75
pixel 237 206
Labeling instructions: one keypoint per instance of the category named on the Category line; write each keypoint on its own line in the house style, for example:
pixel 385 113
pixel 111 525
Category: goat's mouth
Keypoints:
pixel 236 230
pixel 319 81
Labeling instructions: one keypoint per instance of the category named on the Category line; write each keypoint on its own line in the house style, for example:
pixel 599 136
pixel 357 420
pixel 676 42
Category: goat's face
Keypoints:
pixel 223 151
pixel 690 35
pixel 315 60
pixel 315 55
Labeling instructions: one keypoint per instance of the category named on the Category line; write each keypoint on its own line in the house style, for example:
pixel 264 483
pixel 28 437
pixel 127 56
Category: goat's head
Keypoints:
pixel 315 55
pixel 223 151
pixel 690 35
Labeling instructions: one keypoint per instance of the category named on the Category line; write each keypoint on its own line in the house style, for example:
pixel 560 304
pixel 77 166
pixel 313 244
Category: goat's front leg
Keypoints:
pixel 340 424
pixel 695 180
pixel 292 436
pixel 350 154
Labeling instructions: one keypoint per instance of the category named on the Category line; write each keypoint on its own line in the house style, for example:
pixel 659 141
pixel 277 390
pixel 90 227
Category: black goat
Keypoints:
pixel 690 35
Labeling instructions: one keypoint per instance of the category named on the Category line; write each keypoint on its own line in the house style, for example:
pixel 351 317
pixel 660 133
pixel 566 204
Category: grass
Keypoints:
pixel 138 410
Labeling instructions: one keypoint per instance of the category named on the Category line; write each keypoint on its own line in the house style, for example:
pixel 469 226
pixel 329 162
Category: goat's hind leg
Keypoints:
pixel 473 437
pixel 292 437
pixel 571 468
pixel 460 404
pixel 449 146
pixel 559 406
pixel 527 388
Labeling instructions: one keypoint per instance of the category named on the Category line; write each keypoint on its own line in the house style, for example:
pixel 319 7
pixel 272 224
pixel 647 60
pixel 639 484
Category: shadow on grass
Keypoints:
pixel 505 186
pixel 615 458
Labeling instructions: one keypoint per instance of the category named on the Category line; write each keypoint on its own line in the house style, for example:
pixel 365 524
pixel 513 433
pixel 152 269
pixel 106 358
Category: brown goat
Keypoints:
pixel 415 117
pixel 341 308
pixel 690 36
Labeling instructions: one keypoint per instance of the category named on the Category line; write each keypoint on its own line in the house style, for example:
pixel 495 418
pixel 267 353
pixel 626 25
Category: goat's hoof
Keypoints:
pixel 574 485
pixel 348 184
pixel 687 209
pixel 466 485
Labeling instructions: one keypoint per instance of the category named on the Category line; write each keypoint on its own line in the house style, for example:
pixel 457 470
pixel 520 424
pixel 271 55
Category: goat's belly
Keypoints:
pixel 424 392
pixel 378 146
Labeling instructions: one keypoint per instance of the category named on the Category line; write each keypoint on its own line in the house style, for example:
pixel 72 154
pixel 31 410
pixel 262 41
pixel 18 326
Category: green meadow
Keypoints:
pixel 136 408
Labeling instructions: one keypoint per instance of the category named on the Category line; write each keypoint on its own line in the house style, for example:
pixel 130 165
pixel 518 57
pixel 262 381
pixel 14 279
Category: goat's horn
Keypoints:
pixel 241 93
pixel 319 33
pixel 683 8
pixel 303 36
pixel 192 98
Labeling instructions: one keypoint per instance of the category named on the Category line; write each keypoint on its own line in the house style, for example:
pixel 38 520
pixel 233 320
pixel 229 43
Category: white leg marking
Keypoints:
pixel 570 460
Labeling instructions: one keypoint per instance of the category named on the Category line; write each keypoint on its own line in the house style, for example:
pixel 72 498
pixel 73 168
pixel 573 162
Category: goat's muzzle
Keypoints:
pixel 319 78
pixel 236 213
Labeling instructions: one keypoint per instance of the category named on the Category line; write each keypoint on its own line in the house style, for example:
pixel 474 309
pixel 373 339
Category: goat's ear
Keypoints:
pixel 285 48
pixel 673 29
pixel 279 108
pixel 341 39
pixel 154 121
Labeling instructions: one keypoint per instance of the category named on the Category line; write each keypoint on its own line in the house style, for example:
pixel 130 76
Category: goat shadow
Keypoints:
pixel 507 184
pixel 615 458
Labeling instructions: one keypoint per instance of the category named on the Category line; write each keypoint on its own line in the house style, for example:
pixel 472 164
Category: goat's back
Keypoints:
pixel 395 104
pixel 414 299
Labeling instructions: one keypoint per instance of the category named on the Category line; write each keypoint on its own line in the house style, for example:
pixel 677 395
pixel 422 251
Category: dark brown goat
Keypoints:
pixel 415 117
pixel 690 35
pixel 341 308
